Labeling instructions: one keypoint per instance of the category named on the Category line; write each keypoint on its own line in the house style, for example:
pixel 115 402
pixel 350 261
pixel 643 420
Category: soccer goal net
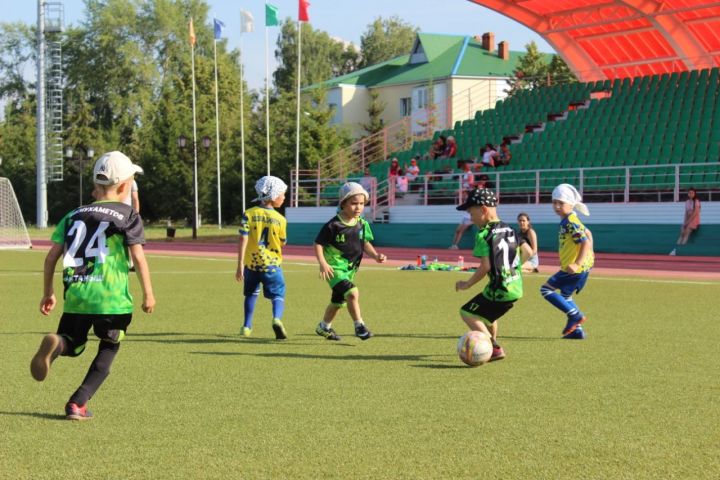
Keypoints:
pixel 13 233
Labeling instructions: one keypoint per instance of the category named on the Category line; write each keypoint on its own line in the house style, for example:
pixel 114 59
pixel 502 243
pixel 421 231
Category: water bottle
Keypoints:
pixel 435 260
pixel 419 261
pixel 423 260
pixel 461 262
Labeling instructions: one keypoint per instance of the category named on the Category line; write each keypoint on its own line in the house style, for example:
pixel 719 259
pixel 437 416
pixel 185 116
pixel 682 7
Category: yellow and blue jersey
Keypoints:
pixel 572 235
pixel 266 231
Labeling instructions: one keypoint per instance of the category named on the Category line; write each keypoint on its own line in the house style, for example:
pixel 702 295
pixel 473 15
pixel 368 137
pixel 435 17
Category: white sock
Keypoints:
pixel 358 323
pixel 324 326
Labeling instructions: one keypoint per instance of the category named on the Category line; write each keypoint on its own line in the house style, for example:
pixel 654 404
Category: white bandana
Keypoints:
pixel 269 188
pixel 566 193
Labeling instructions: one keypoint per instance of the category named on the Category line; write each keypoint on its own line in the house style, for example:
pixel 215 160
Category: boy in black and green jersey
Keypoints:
pixel 339 249
pixel 93 241
pixel 497 247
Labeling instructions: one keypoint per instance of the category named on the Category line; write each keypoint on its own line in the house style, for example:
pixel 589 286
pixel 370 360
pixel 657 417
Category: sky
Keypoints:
pixel 342 19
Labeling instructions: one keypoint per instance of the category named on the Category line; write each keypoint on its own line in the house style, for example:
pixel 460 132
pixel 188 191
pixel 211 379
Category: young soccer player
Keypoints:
pixel 497 247
pixel 339 249
pixel 576 259
pixel 263 232
pixel 93 241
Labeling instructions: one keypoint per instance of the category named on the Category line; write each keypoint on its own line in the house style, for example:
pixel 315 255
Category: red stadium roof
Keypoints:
pixel 602 39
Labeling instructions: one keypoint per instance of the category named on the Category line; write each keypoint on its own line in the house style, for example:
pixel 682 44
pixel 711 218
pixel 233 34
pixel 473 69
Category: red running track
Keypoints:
pixel 634 264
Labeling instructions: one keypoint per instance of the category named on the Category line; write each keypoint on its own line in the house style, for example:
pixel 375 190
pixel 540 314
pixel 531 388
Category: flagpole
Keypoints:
pixel 297 130
pixel 195 156
pixel 267 101
pixel 242 125
pixel 217 136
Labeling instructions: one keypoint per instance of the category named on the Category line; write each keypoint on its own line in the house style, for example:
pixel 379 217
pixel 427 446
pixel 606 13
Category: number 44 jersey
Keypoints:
pixel 499 242
pixel 96 258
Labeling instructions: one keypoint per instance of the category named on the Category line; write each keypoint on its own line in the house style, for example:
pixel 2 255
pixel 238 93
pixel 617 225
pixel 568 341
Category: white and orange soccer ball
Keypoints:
pixel 474 348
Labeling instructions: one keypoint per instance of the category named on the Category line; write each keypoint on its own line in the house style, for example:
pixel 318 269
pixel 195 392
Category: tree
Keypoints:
pixel 385 39
pixel 559 72
pixel 530 72
pixel 322 57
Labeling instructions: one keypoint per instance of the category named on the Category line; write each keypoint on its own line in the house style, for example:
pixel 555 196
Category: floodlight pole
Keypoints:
pixel 40 161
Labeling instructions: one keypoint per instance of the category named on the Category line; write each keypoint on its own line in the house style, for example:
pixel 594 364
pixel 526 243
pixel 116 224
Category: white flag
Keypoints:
pixel 246 21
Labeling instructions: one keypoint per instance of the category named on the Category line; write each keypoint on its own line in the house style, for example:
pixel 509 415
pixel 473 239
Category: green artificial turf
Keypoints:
pixel 189 398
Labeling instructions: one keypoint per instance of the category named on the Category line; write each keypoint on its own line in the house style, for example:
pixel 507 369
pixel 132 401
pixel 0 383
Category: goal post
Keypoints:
pixel 13 233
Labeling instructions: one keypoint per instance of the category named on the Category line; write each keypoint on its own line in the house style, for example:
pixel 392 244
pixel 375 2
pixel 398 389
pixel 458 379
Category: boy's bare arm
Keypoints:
pixel 326 271
pixel 370 250
pixel 242 247
pixel 143 273
pixel 48 301
pixel 481 271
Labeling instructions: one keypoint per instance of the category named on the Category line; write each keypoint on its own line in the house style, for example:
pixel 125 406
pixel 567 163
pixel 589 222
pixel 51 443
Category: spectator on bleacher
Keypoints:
pixel 691 220
pixel 529 238
pixel 483 181
pixel 450 148
pixel 503 155
pixel 438 147
pixel 488 155
pixel 412 171
pixel 468 177
pixel 394 168
pixel 401 182
pixel 367 181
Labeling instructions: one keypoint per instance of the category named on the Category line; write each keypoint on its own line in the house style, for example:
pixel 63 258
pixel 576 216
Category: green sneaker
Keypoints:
pixel 279 329
pixel 246 332
pixel 328 334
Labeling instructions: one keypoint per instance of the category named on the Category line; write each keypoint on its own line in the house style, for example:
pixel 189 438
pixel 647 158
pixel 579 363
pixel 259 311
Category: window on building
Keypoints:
pixel 406 106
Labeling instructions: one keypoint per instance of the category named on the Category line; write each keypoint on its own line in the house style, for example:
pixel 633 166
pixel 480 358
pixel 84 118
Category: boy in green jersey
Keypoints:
pixel 497 246
pixel 339 249
pixel 93 241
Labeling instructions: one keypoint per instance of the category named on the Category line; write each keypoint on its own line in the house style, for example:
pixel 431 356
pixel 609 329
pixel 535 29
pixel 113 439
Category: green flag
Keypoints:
pixel 271 15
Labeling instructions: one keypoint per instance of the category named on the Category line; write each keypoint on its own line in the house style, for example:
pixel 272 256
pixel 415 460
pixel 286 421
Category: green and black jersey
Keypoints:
pixel 344 243
pixel 95 260
pixel 499 242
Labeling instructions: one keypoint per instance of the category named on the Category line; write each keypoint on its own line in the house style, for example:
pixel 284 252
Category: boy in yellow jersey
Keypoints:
pixel 576 259
pixel 263 232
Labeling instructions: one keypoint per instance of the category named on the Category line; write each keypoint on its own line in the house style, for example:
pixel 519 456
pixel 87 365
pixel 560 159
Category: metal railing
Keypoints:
pixel 620 184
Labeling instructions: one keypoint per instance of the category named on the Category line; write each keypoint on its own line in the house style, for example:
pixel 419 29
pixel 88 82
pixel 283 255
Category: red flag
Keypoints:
pixel 303 11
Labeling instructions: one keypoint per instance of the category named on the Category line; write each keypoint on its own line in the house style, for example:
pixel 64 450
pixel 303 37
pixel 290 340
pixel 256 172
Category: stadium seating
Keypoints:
pixel 669 119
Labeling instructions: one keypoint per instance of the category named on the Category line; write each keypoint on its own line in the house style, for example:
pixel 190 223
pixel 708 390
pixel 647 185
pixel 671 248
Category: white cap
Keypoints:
pixel 350 189
pixel 113 168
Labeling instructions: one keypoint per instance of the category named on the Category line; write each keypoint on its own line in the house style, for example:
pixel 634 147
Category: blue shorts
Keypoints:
pixel 273 283
pixel 568 283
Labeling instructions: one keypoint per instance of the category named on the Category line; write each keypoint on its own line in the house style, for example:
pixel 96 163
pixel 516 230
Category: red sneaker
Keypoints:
pixel 498 353
pixel 73 411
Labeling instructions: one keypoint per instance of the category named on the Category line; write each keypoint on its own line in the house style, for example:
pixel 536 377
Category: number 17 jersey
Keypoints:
pixel 95 258
pixel 499 242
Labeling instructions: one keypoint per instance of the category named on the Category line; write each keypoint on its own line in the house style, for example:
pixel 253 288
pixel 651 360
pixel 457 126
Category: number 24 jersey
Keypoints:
pixel 95 259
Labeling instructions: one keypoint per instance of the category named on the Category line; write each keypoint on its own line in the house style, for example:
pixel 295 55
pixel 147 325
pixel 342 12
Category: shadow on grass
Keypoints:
pixel 386 358
pixel 46 416
pixel 441 366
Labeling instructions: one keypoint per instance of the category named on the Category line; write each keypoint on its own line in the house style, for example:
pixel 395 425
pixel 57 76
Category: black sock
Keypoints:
pixel 97 373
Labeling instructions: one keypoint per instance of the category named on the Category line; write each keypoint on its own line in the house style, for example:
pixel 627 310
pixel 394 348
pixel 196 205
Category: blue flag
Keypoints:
pixel 218 28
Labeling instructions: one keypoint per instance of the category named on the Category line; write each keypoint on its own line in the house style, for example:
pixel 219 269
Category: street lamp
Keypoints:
pixel 90 152
pixel 182 143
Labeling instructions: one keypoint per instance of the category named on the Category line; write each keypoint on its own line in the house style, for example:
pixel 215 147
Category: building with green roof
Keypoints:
pixel 467 74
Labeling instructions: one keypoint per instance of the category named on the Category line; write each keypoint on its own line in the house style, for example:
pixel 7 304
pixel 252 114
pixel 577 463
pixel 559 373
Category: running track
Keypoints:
pixel 696 268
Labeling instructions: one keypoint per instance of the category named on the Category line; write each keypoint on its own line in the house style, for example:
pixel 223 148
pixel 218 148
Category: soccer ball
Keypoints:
pixel 474 348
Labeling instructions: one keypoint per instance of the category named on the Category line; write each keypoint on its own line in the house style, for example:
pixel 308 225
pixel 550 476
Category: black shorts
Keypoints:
pixel 74 328
pixel 488 310
pixel 339 291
